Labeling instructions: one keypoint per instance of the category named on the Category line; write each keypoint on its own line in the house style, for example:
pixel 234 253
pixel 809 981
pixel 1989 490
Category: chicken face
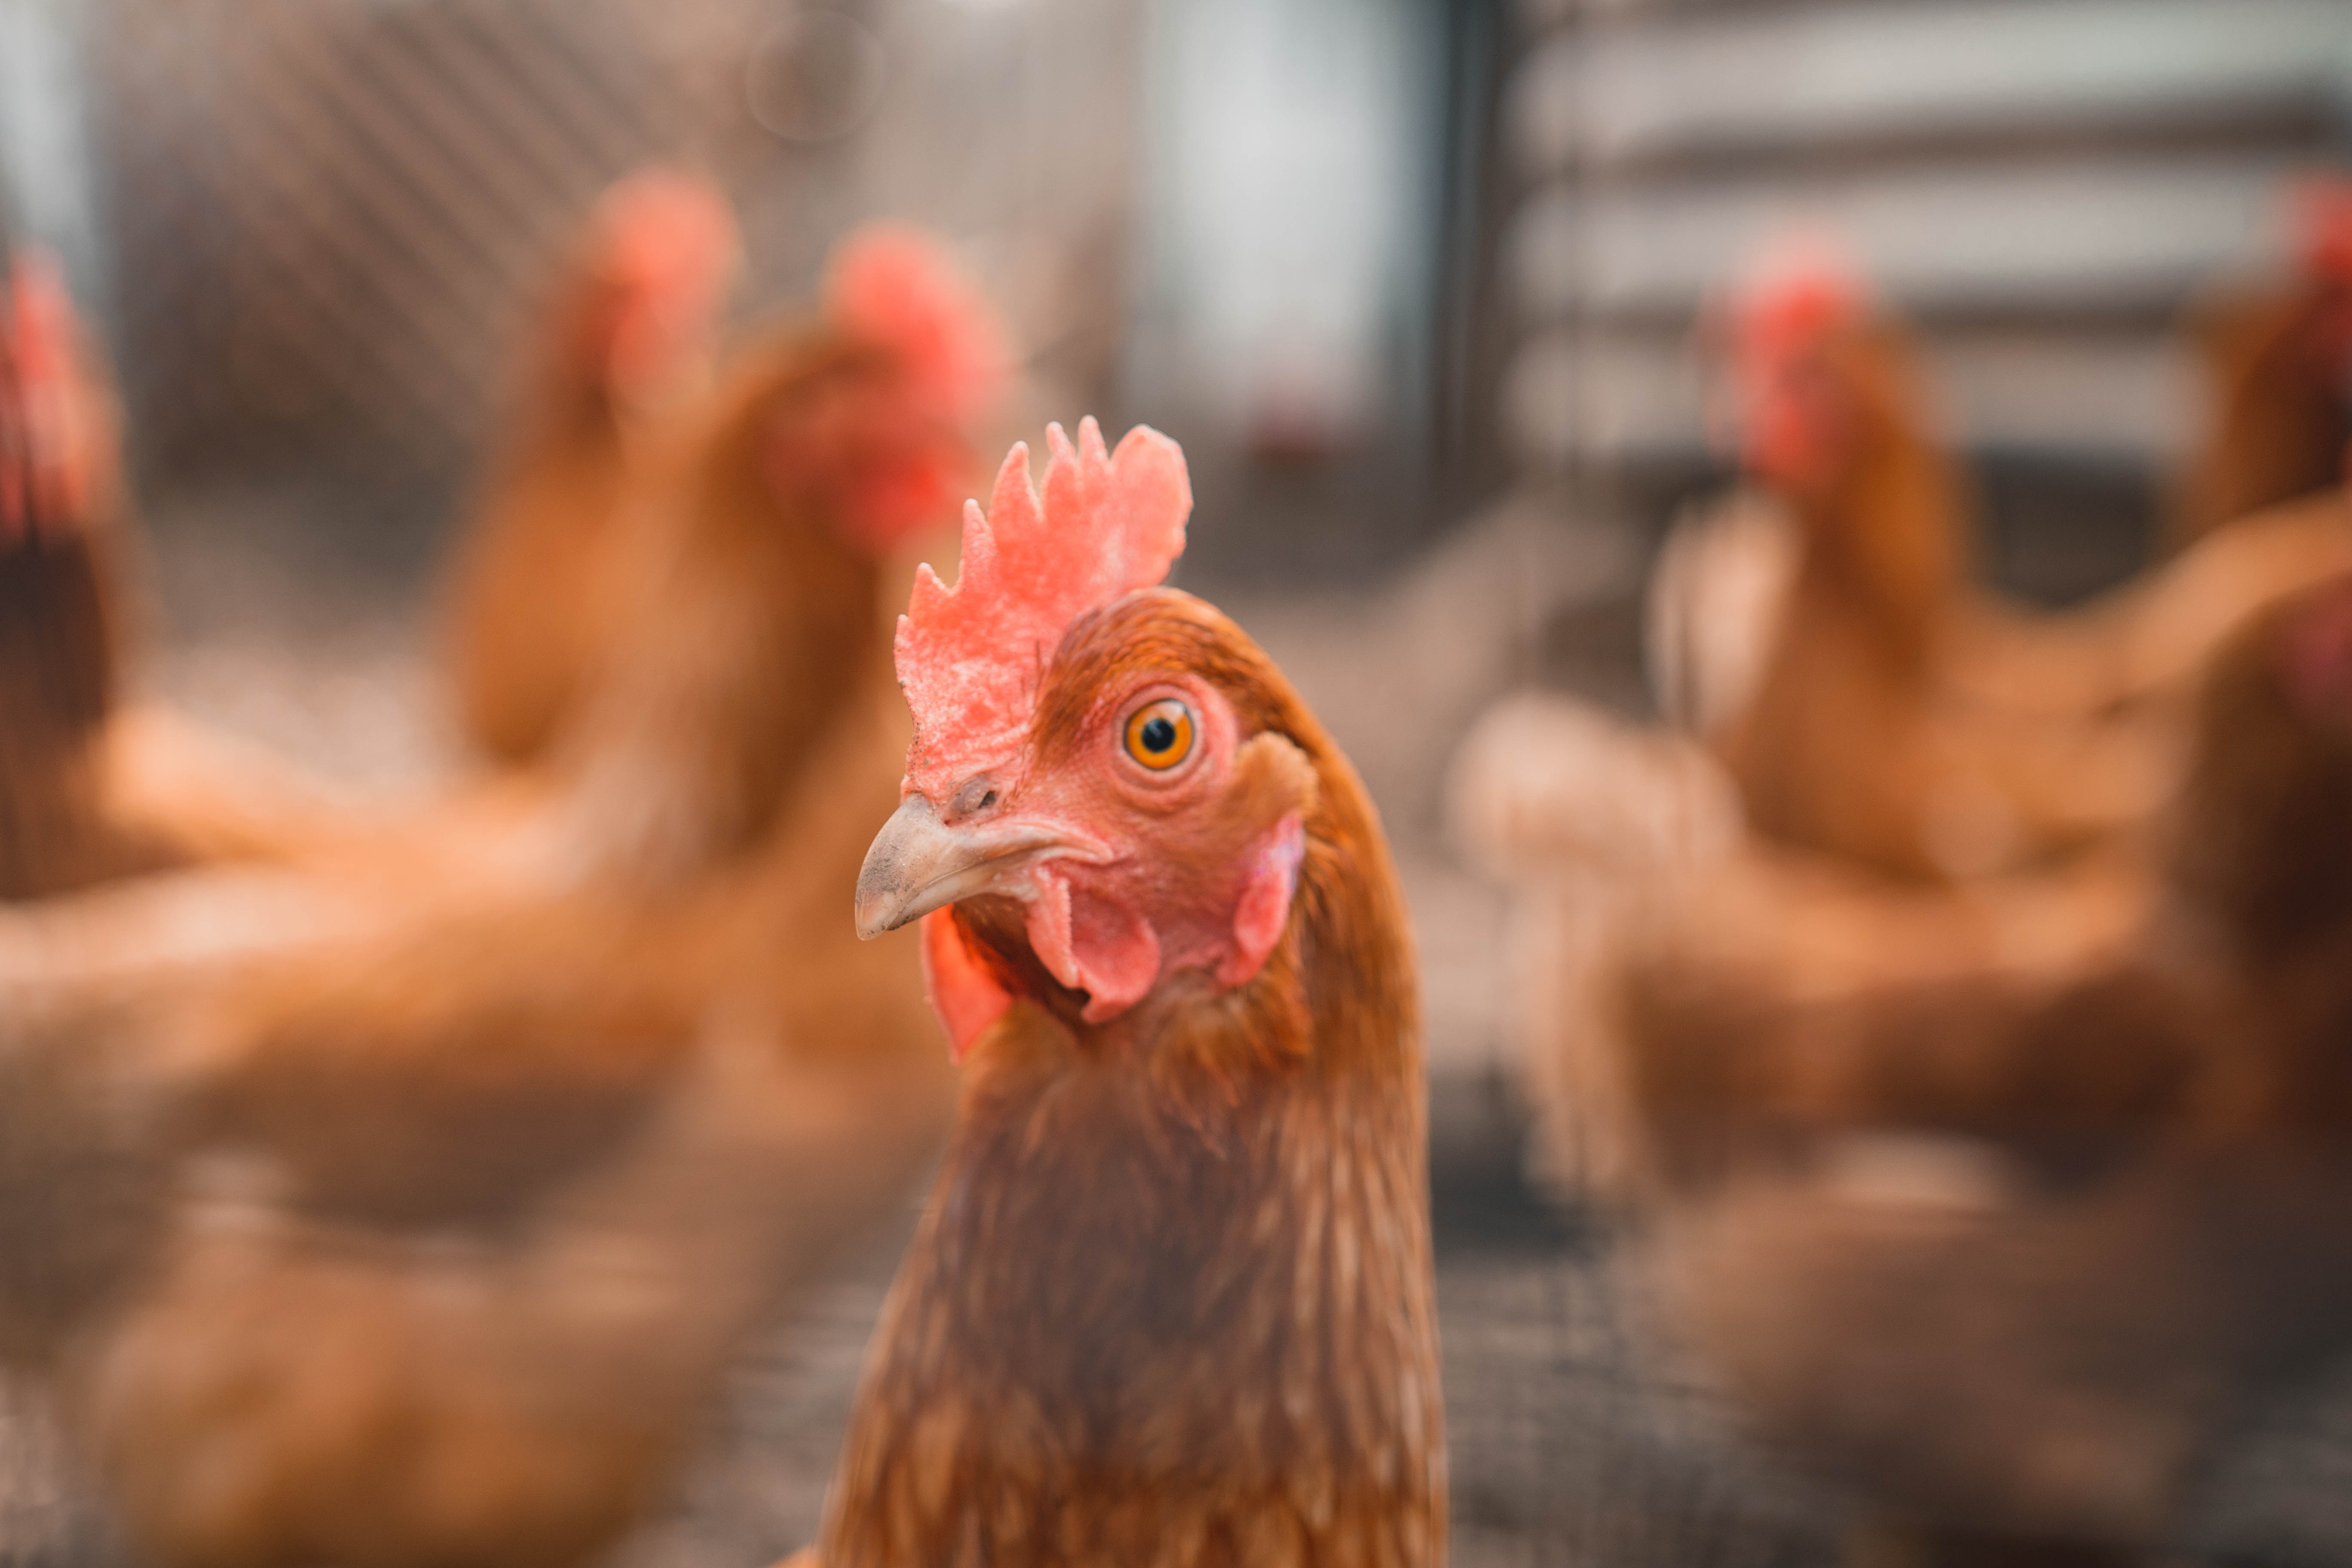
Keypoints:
pixel 877 438
pixel 1797 405
pixel 1116 794
pixel 664 252
pixel 1144 833
pixel 859 445
pixel 52 430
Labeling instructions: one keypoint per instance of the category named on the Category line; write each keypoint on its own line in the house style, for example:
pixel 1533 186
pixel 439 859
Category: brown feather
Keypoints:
pixel 2281 420
pixel 1172 1302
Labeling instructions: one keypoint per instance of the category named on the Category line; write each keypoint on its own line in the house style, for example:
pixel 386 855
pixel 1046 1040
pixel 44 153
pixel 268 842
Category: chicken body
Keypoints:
pixel 429 1238
pixel 1861 736
pixel 1172 1302
pixel 435 1245
pixel 755 521
pixel 2082 1205
pixel 1877 705
pixel 2278 362
pixel 539 588
pixel 93 789
pixel 472 1226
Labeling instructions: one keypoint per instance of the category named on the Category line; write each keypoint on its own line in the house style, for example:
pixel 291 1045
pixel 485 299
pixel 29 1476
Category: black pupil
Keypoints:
pixel 1158 734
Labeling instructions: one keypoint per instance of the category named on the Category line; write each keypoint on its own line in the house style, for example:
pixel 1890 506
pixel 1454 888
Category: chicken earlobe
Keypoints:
pixel 1264 910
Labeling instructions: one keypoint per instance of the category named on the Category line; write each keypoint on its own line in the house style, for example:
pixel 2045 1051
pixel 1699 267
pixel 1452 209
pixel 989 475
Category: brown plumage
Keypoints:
pixel 61 597
pixel 434 1245
pixel 541 577
pixel 2275 361
pixel 1857 740
pixel 1171 1300
pixel 93 789
pixel 428 1239
pixel 752 607
pixel 2081 1198
pixel 59 671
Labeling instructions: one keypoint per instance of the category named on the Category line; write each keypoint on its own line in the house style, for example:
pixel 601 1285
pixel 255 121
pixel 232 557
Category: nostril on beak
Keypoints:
pixel 977 795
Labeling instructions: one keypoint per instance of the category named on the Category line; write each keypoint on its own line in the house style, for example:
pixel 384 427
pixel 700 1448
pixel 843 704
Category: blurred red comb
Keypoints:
pixel 2321 208
pixel 897 288
pixel 1107 524
pixel 664 226
pixel 1797 291
pixel 664 243
pixel 46 484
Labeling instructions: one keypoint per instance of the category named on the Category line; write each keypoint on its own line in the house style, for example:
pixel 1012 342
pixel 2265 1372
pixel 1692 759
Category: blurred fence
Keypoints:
pixel 322 222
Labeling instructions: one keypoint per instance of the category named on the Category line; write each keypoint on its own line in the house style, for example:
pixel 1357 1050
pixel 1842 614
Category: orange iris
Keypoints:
pixel 1159 734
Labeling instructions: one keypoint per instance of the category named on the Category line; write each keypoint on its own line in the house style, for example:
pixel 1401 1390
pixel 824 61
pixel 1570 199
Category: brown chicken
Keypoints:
pixel 2280 364
pixel 1834 411
pixel 93 788
pixel 1172 1302
pixel 2080 1207
pixel 60 600
pixel 759 518
pixel 862 421
pixel 541 576
pixel 1854 741
pixel 480 1197
pixel 437 1249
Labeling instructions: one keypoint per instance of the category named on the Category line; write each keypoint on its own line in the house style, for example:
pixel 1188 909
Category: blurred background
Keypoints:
pixel 1419 284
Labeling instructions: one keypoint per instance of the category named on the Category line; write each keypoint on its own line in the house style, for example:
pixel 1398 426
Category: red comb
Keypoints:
pixel 968 655
pixel 664 224
pixel 665 242
pixel 1795 294
pixel 896 288
pixel 1798 293
pixel 49 484
pixel 2323 226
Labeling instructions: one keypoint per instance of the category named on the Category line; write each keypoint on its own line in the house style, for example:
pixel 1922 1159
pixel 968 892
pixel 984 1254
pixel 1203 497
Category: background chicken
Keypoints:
pixel 756 527
pixel 1853 741
pixel 2278 362
pixel 59 497
pixel 92 786
pixel 2083 1205
pixel 1172 1302
pixel 453 1237
pixel 548 1150
pixel 541 573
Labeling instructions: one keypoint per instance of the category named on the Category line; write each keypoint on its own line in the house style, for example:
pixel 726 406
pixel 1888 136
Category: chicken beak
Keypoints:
pixel 918 863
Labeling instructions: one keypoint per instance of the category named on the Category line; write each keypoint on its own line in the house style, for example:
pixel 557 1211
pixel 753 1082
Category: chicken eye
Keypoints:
pixel 1159 734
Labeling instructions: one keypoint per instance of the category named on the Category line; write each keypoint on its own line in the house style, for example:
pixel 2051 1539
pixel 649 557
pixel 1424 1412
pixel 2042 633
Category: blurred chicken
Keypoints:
pixel 60 600
pixel 1853 741
pixel 860 426
pixel 1580 816
pixel 757 520
pixel 92 788
pixel 1837 430
pixel 1172 1302
pixel 2279 360
pixel 437 1249
pixel 2006 1231
pixel 429 1241
pixel 542 573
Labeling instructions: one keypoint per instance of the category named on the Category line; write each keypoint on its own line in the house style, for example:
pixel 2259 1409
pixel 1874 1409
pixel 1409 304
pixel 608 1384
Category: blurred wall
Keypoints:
pixel 1302 247
pixel 45 166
